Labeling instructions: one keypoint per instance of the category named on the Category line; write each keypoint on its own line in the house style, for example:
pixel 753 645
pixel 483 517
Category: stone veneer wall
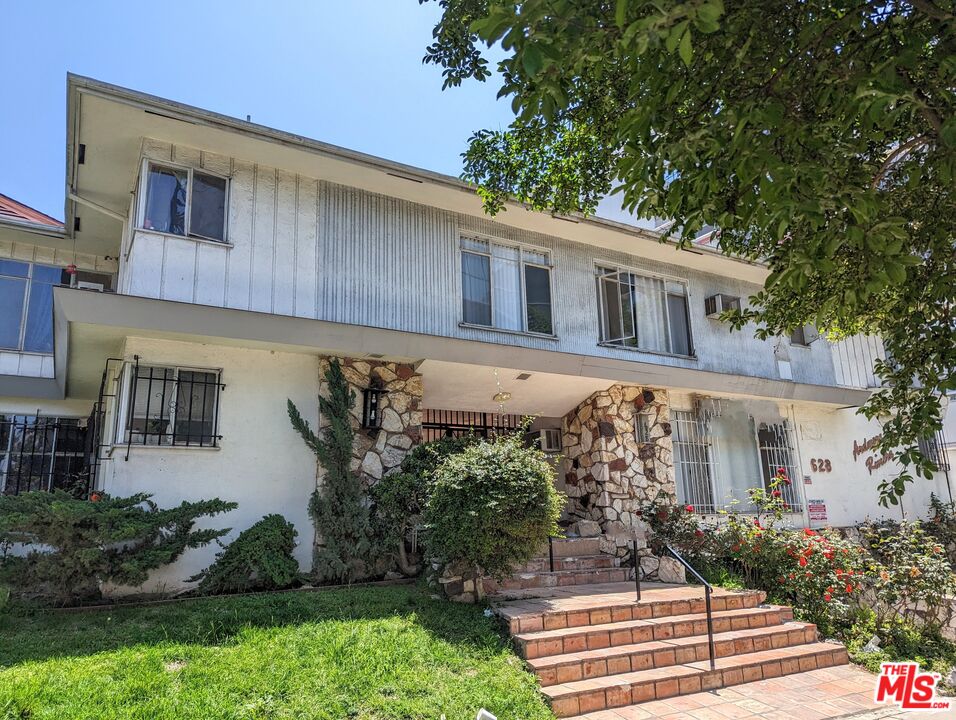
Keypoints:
pixel 376 453
pixel 611 475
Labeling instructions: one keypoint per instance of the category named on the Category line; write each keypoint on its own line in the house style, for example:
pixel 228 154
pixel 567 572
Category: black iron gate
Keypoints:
pixel 454 423
pixel 44 453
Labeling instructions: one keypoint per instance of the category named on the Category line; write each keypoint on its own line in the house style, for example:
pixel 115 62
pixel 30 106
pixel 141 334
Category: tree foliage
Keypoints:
pixel 337 506
pixel 78 544
pixel 259 559
pixel 819 137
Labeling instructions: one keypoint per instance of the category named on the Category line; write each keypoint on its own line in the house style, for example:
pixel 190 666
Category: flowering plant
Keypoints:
pixel 674 525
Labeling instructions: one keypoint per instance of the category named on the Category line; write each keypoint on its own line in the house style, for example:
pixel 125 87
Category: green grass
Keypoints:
pixel 387 652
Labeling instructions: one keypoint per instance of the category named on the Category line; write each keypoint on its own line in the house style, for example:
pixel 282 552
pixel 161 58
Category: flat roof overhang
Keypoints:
pixel 112 121
pixel 92 326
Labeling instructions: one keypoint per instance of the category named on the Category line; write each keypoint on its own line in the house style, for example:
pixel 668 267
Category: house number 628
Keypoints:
pixel 821 465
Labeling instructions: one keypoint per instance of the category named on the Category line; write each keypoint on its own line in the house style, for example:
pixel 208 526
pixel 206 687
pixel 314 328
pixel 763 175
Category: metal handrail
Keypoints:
pixel 708 589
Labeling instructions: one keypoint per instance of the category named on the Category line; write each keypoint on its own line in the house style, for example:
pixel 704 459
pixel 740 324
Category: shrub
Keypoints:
pixel 492 506
pixel 674 525
pixel 259 559
pixel 338 506
pixel 79 544
pixel 942 525
pixel 911 571
pixel 400 498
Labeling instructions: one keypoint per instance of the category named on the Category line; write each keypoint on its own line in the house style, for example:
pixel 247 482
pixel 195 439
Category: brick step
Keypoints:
pixel 558 578
pixel 612 691
pixel 572 547
pixel 617 610
pixel 563 641
pixel 558 669
pixel 581 562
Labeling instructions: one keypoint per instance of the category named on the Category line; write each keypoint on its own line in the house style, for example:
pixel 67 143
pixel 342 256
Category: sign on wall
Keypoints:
pixel 817 510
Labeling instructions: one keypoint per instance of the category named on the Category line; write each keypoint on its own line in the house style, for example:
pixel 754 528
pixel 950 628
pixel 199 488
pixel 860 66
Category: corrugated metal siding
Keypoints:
pixel 853 360
pixel 309 248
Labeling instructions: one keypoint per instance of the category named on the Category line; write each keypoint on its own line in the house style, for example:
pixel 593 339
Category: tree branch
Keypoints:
pixel 900 152
pixel 928 8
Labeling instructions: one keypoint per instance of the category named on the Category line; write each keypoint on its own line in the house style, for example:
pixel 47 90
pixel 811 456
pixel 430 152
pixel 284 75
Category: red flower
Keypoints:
pixel 792 576
pixel 786 506
pixel 787 480
pixel 699 533
pixel 849 588
pixel 95 497
pixel 662 515
pixel 781 471
pixel 736 548
pixel 827 597
pixel 808 532
pixel 803 562
pixel 776 493
pixel 689 508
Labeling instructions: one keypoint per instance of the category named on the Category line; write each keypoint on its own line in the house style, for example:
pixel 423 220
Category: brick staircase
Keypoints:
pixel 595 648
pixel 577 561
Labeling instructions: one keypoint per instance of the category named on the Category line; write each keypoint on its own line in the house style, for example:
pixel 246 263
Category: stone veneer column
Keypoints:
pixel 378 452
pixel 610 474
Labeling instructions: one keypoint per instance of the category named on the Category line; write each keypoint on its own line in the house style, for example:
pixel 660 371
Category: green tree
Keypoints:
pixel 338 505
pixel 818 136
pixel 78 544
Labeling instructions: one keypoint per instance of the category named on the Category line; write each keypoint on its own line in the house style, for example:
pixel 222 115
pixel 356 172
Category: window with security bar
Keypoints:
pixel 721 452
pixel 643 312
pixel 170 406
pixel 43 453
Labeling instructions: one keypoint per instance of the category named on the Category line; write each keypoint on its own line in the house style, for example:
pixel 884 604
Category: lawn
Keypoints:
pixel 384 652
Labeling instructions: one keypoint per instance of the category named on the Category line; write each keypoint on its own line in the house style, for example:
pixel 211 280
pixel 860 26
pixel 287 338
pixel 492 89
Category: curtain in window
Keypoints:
pixel 12 292
pixel 738 457
pixel 166 200
pixel 505 263
pixel 649 309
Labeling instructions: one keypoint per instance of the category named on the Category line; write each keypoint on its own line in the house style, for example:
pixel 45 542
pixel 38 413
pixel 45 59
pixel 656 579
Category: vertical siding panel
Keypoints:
pixel 241 207
pixel 145 266
pixel 306 249
pixel 211 274
pixel 263 256
pixel 179 264
pixel 286 262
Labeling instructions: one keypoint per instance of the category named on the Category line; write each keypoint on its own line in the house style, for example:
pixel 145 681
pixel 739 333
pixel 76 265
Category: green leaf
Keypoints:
pixel 620 13
pixel 685 49
pixel 532 59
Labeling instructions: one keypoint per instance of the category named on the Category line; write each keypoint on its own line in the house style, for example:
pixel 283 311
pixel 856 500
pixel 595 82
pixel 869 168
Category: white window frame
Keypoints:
pixel 190 171
pixel 125 378
pixel 28 288
pixel 602 329
pixel 522 248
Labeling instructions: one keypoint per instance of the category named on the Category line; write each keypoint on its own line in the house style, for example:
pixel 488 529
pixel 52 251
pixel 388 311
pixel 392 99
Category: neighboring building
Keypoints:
pixel 235 259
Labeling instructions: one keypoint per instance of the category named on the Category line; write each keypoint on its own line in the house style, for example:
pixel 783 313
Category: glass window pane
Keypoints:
pixel 195 408
pixel 47 274
pixel 649 309
pixel 476 288
pixel 611 308
pixel 153 399
pixel 12 292
pixel 38 336
pixel 538 296
pixel 680 327
pixel 507 288
pixel 208 212
pixel 468 243
pixel 536 257
pixel 166 200
pixel 14 268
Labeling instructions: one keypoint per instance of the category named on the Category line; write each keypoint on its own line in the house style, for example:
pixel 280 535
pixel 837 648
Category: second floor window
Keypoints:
pixel 506 286
pixel 26 305
pixel 184 201
pixel 643 312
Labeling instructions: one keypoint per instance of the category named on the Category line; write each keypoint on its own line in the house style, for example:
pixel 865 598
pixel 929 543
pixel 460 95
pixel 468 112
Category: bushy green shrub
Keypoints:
pixel 400 498
pixel 78 544
pixel 259 559
pixel 492 506
pixel 910 571
pixel 675 525
pixel 338 506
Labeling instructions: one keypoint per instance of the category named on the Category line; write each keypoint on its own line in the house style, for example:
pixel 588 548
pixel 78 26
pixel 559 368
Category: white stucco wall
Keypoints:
pixel 261 463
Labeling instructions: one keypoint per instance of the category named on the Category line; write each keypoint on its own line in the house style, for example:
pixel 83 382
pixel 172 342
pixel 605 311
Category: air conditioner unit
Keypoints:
pixel 90 286
pixel 716 304
pixel 548 440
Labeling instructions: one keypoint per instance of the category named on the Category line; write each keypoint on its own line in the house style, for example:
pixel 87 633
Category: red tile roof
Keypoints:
pixel 15 211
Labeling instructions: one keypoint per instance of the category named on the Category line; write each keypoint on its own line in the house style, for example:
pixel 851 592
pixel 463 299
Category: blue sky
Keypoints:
pixel 348 73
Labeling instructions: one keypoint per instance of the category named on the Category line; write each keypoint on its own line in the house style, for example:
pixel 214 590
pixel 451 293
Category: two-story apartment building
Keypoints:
pixel 209 267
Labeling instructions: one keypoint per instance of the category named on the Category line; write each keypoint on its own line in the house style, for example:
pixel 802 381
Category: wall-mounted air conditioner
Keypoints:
pixel 716 304
pixel 548 440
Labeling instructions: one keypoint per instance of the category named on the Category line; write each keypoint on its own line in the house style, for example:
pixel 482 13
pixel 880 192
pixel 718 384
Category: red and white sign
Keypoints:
pixel 817 510
pixel 902 683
